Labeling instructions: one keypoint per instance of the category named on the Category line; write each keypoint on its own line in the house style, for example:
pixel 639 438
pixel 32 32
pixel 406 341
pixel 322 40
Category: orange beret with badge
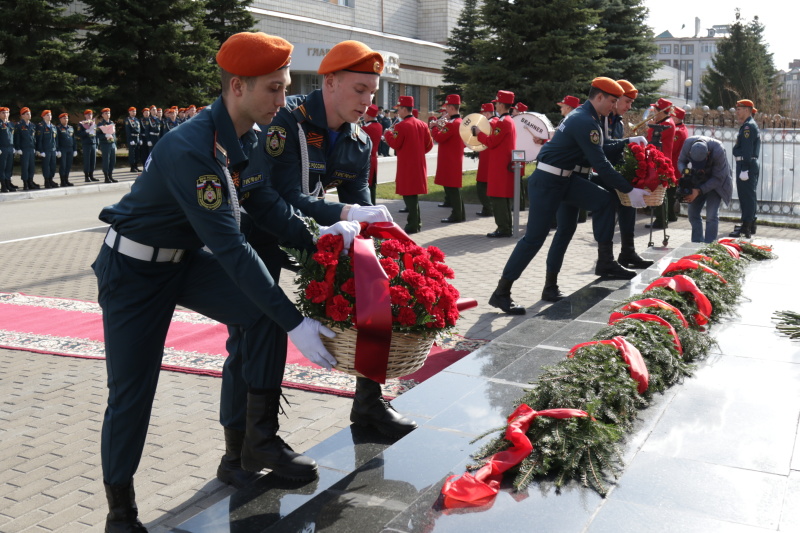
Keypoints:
pixel 46 112
pixel 62 115
pixel 105 110
pixel 352 56
pixel 88 112
pixel 4 109
pixel 24 110
pixel 630 91
pixel 252 54
pixel 131 109
pixel 608 86
pixel 747 103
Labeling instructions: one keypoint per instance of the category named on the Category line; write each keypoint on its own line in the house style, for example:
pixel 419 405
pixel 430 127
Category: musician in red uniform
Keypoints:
pixel 450 159
pixel 499 144
pixel 374 129
pixel 411 140
pixel 482 177
pixel 666 132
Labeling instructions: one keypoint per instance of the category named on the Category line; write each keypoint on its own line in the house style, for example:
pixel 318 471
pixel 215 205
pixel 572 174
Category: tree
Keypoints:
pixel 630 46
pixel 158 52
pixel 42 64
pixel 226 17
pixel 463 54
pixel 742 68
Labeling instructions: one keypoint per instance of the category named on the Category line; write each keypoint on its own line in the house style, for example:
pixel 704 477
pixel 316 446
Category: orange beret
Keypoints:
pixel 45 112
pixel 607 85
pixel 4 109
pixel 630 91
pixel 254 54
pixel 24 110
pixel 62 115
pixel 88 111
pixel 129 109
pixel 746 103
pixel 353 56
pixel 105 110
pixel 182 110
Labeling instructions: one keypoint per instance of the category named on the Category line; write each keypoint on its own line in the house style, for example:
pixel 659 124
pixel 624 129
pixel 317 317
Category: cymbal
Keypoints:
pixel 474 119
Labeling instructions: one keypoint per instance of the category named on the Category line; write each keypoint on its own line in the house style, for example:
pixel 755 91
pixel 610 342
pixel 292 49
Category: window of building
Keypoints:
pixel 667 62
pixel 676 63
pixel 676 49
pixel 687 49
pixel 394 94
pixel 413 90
pixel 308 83
pixel 665 48
pixel 433 101
pixel 343 3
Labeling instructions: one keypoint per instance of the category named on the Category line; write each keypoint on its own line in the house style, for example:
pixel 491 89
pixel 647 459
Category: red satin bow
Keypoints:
pixel 484 484
pixel 647 317
pixel 701 257
pixel 630 354
pixel 654 302
pixel 681 283
pixel 689 264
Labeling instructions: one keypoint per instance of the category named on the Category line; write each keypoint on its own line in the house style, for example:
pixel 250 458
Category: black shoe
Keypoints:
pixel 444 205
pixel 33 185
pixel 92 178
pixel 506 304
pixel 371 409
pixel 613 270
pixel 630 259
pixel 410 231
pixel 123 514
pixel 403 210
pixel 134 169
pixel 451 220
pixel 736 233
pixel 11 186
pixel 230 469
pixel 484 214
pixel 498 235
pixel 551 293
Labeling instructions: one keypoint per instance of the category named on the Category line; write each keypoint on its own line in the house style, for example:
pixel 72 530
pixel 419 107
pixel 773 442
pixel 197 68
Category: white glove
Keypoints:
pixel 369 213
pixel 638 140
pixel 18 152
pixel 637 198
pixel 141 143
pixel 744 175
pixel 75 154
pixel 348 231
pixel 305 337
pixel 149 143
pixel 1 152
pixel 133 143
pixel 58 154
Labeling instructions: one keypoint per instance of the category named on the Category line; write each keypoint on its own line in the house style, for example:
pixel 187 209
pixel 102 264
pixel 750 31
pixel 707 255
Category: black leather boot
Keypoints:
pixel 91 177
pixel 370 409
pixel 4 186
pixel 111 177
pixel 747 227
pixel 753 226
pixel 501 298
pixel 550 293
pixel 230 469
pixel 123 515
pixel 263 448
pixel 737 230
pixel 628 256
pixel 606 266
pixel 66 183
pixel 33 185
pixel 11 186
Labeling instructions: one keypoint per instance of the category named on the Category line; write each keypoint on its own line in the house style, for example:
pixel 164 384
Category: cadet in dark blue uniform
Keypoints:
pixel 133 136
pixel 6 151
pixel 153 260
pixel 46 147
pixel 338 154
pixel 25 145
pixel 65 148
pixel 746 152
pixel 170 121
pixel 107 141
pixel 86 131
pixel 578 142
pixel 151 131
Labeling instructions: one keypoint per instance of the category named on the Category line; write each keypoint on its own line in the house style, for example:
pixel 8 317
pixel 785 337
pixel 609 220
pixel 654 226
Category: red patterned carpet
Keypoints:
pixel 195 344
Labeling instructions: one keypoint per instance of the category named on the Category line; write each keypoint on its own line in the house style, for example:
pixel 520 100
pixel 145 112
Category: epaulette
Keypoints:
pixel 300 114
pixel 360 134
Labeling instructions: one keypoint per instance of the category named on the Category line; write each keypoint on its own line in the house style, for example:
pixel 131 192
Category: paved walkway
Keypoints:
pixel 53 406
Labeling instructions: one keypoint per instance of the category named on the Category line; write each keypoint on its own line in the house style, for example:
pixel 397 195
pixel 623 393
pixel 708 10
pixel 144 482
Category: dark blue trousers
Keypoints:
pixel 747 191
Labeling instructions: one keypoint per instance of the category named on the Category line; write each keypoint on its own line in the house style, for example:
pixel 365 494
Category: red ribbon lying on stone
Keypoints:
pixel 647 317
pixel 630 354
pixel 681 283
pixel 484 484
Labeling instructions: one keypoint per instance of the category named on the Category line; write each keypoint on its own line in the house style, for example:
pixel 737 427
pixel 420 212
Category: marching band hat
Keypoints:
pixel 88 111
pixel 45 112
pixel 679 112
pixel 406 101
pixel 663 104
pixel 131 108
pixel 24 110
pixel 521 107
pixel 487 108
pixel 747 103
pixel 573 101
pixel 630 91
pixel 254 54
pixel 62 115
pixel 504 97
pixel 105 110
pixel 4 109
pixel 609 86
pixel 698 154
pixel 353 56
pixel 372 111
pixel 452 99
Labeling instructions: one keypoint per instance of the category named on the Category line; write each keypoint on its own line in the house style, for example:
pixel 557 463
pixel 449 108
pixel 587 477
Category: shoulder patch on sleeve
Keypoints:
pixel 209 191
pixel 276 140
pixel 594 136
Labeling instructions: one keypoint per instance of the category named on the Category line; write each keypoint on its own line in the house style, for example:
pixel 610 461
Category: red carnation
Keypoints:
pixel 339 308
pixel 349 287
pixel 330 243
pixel 326 259
pixel 399 295
pixel 413 278
pixel 390 267
pixel 317 291
pixel 391 248
pixel 435 254
pixel 406 316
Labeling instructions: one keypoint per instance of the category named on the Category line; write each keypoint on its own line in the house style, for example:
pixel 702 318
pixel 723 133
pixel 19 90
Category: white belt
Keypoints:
pixel 740 158
pixel 142 252
pixel 581 170
pixel 554 170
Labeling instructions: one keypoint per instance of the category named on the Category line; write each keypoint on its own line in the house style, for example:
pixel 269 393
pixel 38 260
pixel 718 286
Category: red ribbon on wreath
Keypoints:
pixel 701 257
pixel 682 283
pixel 647 317
pixel 630 354
pixel 478 488
pixel 652 302
pixel 690 264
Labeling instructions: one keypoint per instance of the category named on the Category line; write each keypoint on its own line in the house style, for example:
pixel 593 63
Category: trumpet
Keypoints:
pixel 439 122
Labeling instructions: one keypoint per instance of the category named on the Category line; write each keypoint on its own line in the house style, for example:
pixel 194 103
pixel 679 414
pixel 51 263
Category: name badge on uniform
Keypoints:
pixel 343 175
pixel 209 191
pixel 316 166
pixel 251 181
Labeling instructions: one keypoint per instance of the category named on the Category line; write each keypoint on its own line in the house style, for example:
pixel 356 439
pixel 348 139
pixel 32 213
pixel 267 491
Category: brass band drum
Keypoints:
pixel 471 141
pixel 533 130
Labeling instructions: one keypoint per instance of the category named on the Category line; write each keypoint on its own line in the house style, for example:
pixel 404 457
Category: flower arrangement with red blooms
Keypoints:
pixel 646 167
pixel 422 300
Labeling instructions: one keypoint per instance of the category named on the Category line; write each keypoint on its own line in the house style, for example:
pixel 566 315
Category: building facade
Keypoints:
pixel 789 81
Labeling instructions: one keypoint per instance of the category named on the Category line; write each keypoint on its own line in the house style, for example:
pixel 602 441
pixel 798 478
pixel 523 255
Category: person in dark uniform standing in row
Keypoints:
pixel 133 135
pixel 374 129
pixel 153 260
pixel 108 145
pixel 746 152
pixel 577 142
pixel 482 174
pixel 86 131
pixel 46 147
pixel 6 151
pixel 65 148
pixel 499 144
pixel 151 132
pixel 25 145
pixel 450 158
pixel 411 140
pixel 170 121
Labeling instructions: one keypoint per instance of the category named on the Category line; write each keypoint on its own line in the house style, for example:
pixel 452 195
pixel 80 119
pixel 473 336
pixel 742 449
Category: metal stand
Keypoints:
pixel 665 240
pixel 517 193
